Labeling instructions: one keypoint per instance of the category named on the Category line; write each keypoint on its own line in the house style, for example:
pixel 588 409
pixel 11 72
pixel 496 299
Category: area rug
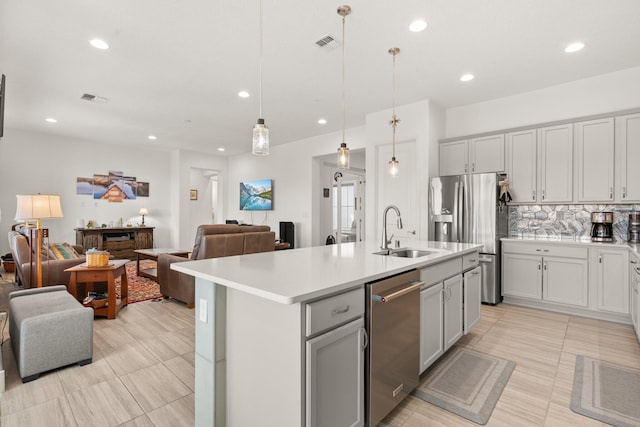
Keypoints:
pixel 466 383
pixel 140 288
pixel 606 392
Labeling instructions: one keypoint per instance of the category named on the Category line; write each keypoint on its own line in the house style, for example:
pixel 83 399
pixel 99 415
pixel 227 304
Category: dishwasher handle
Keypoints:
pixel 396 293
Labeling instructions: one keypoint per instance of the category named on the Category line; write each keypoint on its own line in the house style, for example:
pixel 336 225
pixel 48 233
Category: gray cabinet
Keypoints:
pixel 612 280
pixel 335 355
pixel 595 160
pixel 431 325
pixel 335 377
pixel 522 171
pixel 472 297
pixel 634 282
pixel 627 147
pixel 555 164
pixel 551 273
pixel 453 305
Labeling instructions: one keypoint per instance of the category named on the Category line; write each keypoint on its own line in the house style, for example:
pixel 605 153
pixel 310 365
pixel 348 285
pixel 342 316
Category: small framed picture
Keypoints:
pixel 193 194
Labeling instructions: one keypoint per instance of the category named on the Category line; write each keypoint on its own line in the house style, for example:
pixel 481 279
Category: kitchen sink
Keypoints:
pixel 406 253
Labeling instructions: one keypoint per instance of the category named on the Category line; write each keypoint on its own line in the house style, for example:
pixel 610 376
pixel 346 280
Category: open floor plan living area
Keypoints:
pixel 283 213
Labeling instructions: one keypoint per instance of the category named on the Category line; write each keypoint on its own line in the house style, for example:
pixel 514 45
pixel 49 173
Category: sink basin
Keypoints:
pixel 405 253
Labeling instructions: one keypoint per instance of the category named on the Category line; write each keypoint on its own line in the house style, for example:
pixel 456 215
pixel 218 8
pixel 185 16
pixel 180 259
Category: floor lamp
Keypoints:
pixel 35 207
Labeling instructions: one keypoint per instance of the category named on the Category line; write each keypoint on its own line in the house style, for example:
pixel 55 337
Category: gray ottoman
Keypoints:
pixel 49 329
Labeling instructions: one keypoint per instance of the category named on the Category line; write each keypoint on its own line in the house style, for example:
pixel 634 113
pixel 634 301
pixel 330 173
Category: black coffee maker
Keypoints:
pixel 602 226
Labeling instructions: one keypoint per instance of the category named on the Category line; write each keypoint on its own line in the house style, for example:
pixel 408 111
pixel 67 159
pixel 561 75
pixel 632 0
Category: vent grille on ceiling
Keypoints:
pixel 94 98
pixel 328 41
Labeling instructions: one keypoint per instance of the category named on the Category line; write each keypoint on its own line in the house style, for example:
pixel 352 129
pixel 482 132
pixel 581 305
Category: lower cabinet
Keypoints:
pixel 634 281
pixel 472 297
pixel 335 377
pixel 452 310
pixel 449 306
pixel 613 280
pixel 560 275
pixel 335 359
pixel 431 325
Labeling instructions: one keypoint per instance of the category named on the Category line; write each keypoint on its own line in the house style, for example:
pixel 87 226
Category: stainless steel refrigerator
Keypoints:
pixel 466 209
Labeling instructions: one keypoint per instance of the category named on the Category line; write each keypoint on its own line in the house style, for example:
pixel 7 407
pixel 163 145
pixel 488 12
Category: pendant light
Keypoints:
pixel 394 164
pixel 260 130
pixel 343 151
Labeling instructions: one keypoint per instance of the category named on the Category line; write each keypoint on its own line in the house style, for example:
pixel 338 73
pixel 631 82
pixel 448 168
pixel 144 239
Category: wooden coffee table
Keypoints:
pixel 152 254
pixel 90 275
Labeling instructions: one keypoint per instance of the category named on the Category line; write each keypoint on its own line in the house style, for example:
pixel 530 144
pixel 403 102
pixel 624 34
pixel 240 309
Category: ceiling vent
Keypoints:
pixel 328 41
pixel 94 98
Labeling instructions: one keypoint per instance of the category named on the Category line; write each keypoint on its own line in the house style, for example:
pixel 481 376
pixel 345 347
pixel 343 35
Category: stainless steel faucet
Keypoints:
pixel 385 241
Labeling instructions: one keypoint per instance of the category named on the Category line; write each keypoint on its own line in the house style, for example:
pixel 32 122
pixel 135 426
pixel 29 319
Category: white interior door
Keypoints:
pixel 348 207
pixel 400 190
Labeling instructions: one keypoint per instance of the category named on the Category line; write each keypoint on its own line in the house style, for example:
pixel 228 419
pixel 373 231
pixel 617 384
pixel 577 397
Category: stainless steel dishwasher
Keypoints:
pixel 393 356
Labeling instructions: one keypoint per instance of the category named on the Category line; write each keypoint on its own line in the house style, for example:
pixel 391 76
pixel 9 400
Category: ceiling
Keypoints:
pixel 174 68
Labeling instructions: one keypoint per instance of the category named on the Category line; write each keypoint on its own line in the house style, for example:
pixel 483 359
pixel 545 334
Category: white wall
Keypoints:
pixel 291 168
pixel 601 94
pixel 185 165
pixel 33 163
pixel 419 122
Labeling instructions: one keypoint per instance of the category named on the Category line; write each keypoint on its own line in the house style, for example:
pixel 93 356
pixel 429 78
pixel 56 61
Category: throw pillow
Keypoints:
pixel 62 251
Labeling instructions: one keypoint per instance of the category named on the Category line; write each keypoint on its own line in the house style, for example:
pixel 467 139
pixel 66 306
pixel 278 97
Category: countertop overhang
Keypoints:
pixel 293 276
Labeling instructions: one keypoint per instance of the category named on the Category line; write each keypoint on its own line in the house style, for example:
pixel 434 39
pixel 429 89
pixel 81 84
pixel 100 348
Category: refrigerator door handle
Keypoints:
pixel 461 214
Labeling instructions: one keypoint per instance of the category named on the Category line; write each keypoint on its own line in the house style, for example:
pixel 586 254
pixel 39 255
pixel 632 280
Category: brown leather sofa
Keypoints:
pixel 52 269
pixel 212 241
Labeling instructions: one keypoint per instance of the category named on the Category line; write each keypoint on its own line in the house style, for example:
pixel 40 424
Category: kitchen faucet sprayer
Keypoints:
pixel 385 241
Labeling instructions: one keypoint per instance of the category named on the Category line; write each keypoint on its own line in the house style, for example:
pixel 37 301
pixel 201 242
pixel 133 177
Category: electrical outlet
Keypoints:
pixel 203 310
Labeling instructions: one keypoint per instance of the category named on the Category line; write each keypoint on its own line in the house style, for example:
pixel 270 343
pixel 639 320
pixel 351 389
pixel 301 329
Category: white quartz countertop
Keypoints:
pixel 633 247
pixel 296 275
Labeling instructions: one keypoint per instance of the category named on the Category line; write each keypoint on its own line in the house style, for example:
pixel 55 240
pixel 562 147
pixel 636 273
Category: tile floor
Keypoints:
pixel 143 371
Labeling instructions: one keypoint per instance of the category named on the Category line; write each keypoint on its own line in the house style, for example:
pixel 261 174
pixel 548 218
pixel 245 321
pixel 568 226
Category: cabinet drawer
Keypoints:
pixel 332 311
pixel 439 272
pixel 546 250
pixel 470 261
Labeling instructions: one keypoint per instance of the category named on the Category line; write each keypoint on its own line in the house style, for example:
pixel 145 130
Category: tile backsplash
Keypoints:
pixel 565 222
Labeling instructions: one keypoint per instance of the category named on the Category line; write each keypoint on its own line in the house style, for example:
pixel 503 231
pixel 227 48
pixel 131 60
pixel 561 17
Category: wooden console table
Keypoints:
pixel 90 275
pixel 121 242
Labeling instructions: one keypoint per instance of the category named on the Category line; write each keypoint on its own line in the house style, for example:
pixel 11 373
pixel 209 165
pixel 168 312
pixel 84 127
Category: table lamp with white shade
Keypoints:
pixel 35 207
pixel 143 212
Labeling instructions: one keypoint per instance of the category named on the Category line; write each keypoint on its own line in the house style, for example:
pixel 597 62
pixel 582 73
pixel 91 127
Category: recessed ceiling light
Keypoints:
pixel 221 149
pixel 322 121
pixel 574 47
pixel 243 94
pixel 467 77
pixel 417 26
pixel 99 44
pixel 50 120
pixel 152 137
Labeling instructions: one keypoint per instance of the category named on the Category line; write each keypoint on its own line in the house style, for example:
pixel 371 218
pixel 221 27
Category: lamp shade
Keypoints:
pixel 143 211
pixel 38 206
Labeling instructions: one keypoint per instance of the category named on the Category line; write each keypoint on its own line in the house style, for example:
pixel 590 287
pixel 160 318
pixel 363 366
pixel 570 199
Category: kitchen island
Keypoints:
pixel 252 324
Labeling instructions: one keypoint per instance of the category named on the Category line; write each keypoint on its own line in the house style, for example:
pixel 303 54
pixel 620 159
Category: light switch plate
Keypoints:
pixel 203 310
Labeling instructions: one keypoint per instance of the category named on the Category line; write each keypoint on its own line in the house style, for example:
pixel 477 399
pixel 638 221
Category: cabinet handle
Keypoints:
pixel 545 266
pixel 475 272
pixel 610 192
pixel 539 267
pixel 337 311
pixel 542 194
pixel 466 168
pixel 600 259
pixel 473 260
pixel 624 192
pixel 366 339
pixel 533 195
pixel 633 261
pixel 473 167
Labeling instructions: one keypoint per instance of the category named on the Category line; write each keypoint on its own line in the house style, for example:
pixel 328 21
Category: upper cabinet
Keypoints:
pixel 555 164
pixel 522 165
pixel 595 160
pixel 627 147
pixel 478 155
pixel 454 158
